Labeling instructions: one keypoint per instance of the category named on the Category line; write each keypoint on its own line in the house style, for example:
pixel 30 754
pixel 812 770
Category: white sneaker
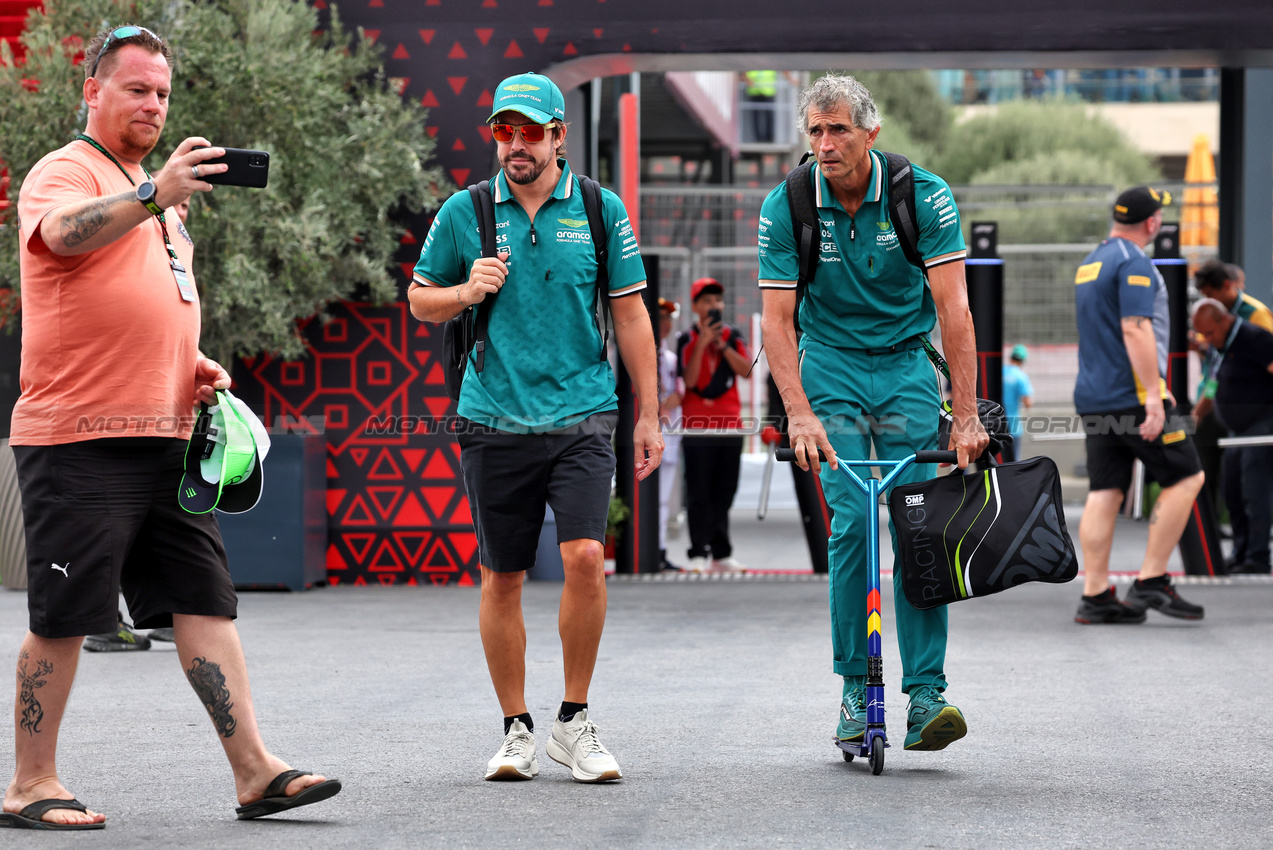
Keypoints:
pixel 575 744
pixel 697 565
pixel 516 758
pixel 730 564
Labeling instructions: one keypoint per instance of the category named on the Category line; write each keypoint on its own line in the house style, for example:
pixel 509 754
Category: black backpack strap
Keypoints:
pixel 806 228
pixel 591 191
pixel 484 205
pixel 901 207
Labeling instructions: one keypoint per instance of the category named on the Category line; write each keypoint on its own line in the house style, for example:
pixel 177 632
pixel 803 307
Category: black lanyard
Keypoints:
pixel 163 225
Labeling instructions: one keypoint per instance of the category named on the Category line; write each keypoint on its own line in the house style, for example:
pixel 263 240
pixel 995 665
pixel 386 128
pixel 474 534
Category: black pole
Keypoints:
pixel 815 513
pixel 637 547
pixel 1175 274
pixel 984 273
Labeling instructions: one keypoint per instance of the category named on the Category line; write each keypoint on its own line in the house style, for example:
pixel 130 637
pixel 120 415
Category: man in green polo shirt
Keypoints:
pixel 535 423
pixel 859 375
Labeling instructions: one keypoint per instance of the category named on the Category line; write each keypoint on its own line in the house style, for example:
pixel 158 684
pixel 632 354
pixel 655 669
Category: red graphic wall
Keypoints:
pixel 396 507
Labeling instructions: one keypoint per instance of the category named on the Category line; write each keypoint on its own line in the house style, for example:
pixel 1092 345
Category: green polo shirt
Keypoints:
pixel 543 368
pixel 864 293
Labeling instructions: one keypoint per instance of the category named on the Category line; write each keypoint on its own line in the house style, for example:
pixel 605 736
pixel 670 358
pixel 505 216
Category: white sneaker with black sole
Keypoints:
pixel 575 744
pixel 516 758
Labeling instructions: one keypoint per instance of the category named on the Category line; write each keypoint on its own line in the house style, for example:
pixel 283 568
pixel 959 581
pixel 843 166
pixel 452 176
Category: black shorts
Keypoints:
pixel 102 515
pixel 1113 442
pixel 511 477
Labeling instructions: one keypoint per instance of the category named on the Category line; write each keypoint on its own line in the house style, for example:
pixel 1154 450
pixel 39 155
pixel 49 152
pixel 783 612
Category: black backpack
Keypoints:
pixel 465 334
pixel 806 226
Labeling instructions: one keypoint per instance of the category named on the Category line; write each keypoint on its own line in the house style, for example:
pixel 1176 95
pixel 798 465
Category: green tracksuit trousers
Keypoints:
pixel 891 400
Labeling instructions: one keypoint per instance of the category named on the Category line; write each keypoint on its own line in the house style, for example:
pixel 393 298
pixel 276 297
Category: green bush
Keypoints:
pixel 1028 132
pixel 347 152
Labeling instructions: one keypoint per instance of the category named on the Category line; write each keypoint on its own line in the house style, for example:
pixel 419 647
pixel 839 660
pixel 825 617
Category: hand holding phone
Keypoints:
pixel 249 168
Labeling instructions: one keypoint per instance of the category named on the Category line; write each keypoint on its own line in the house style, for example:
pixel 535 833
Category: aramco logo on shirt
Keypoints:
pixel 578 232
pixel 887 235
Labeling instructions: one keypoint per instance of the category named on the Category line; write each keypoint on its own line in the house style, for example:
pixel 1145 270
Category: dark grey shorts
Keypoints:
pixel 101 516
pixel 511 477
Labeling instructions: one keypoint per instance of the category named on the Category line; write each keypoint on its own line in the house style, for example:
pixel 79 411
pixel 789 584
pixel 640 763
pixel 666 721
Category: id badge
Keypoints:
pixel 184 286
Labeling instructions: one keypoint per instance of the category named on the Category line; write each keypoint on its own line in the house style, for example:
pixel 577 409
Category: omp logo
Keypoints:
pixel 521 87
pixel 917 499
pixel 1045 554
pixel 1087 273
pixel 573 222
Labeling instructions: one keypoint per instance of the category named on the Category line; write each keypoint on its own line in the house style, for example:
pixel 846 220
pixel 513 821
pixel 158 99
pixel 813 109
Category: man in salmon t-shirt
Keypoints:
pixel 111 368
pixel 711 355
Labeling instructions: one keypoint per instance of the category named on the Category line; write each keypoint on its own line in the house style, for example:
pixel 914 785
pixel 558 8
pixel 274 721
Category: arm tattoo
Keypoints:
pixel 209 683
pixel 79 227
pixel 32 711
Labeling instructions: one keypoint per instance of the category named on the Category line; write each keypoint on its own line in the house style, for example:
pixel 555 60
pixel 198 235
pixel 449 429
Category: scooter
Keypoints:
pixel 874 740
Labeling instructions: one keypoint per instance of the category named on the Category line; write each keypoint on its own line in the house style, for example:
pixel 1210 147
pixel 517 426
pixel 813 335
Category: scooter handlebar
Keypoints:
pixel 789 456
pixel 936 457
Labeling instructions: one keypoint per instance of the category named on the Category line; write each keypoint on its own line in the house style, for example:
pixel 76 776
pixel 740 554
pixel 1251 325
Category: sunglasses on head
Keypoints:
pixel 114 38
pixel 530 132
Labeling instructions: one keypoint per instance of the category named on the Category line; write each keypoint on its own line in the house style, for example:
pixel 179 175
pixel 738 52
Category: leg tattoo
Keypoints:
pixel 209 683
pixel 32 711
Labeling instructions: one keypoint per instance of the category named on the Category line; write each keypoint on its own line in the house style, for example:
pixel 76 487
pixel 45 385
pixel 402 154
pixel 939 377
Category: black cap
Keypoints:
pixel 1136 205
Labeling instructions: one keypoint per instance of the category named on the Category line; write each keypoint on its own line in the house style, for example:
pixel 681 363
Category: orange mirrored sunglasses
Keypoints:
pixel 532 133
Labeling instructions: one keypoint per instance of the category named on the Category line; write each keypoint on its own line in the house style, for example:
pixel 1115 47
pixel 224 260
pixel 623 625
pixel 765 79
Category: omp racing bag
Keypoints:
pixel 961 536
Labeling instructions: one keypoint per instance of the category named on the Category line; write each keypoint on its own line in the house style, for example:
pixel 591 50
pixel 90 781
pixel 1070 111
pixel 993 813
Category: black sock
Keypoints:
pixel 1102 596
pixel 525 718
pixel 1157 581
pixel 569 710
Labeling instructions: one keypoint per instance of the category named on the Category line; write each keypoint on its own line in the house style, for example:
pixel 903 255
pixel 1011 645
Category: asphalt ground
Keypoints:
pixel 718 699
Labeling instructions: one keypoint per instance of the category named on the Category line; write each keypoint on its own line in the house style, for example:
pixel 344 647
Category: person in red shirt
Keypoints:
pixel 710 355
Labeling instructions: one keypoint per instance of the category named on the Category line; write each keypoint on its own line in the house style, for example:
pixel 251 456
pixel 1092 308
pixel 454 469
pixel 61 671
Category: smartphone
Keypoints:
pixel 714 316
pixel 247 168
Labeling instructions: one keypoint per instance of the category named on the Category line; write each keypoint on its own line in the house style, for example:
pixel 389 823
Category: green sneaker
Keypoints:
pixel 931 722
pixel 852 725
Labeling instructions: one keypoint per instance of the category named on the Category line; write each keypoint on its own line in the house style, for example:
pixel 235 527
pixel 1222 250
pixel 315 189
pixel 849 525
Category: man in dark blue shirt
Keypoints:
pixel 1128 413
pixel 1244 403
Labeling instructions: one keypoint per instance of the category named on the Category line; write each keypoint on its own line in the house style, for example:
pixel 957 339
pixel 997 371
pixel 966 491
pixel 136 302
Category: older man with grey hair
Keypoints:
pixel 859 375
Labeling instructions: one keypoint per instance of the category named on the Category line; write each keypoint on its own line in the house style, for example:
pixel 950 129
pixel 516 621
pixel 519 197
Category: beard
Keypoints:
pixel 527 170
pixel 138 143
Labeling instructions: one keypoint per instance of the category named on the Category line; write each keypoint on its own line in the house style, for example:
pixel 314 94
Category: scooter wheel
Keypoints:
pixel 877 755
pixel 848 756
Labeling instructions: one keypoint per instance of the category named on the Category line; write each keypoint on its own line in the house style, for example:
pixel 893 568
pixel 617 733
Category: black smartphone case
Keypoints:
pixel 247 168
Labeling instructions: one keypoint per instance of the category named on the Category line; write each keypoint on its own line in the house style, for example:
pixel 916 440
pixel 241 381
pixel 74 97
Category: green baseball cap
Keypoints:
pixel 533 95
pixel 224 468
pixel 1020 352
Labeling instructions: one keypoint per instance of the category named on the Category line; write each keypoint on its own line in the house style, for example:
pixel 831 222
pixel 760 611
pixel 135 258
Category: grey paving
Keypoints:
pixel 718 700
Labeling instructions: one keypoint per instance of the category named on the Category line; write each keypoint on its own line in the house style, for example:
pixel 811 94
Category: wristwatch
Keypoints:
pixel 146 194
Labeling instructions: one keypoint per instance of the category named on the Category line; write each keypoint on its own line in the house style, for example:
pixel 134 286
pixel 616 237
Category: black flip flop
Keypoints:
pixel 276 799
pixel 29 818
